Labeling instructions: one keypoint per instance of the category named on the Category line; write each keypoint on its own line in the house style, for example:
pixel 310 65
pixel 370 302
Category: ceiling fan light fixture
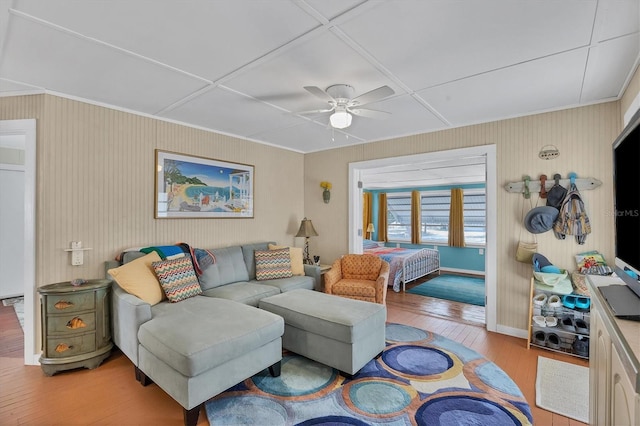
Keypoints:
pixel 340 119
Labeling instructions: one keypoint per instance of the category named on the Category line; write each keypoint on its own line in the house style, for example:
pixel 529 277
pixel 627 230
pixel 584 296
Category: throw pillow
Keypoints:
pixel 295 253
pixel 138 278
pixel 272 264
pixel 177 278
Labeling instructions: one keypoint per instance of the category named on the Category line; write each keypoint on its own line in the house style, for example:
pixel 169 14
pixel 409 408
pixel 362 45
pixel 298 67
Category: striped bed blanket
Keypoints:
pixel 399 259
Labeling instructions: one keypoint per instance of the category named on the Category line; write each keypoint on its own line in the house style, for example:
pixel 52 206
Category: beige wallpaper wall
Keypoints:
pixel 583 136
pixel 96 185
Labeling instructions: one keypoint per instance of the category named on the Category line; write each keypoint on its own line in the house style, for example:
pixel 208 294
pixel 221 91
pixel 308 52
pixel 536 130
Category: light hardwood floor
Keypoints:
pixel 110 395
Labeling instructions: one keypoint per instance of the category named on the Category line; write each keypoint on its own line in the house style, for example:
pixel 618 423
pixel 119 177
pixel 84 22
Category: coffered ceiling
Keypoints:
pixel 238 67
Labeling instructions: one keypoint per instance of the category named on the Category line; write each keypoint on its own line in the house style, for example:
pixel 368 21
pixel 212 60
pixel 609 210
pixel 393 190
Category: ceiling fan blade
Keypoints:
pixel 372 96
pixel 318 92
pixel 369 113
pixel 314 111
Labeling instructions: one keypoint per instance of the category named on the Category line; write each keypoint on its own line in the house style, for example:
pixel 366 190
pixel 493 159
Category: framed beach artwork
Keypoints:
pixel 196 187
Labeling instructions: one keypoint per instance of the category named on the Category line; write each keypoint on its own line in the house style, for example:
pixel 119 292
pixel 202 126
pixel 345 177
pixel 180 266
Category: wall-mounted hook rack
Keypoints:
pixel 526 193
pixel 535 186
pixel 543 186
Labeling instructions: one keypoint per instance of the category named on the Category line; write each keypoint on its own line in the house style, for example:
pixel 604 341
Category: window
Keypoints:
pixel 399 217
pixel 475 218
pixel 435 217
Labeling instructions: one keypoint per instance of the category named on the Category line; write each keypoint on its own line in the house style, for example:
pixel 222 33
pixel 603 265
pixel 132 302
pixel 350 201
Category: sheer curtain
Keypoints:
pixel 456 218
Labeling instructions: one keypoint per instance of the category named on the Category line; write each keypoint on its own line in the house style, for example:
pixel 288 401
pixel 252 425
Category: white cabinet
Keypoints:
pixel 614 370
pixel 624 400
pixel 600 368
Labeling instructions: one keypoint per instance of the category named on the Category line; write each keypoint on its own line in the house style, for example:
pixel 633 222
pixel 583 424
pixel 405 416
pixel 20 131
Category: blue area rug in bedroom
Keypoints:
pixel 421 378
pixel 453 287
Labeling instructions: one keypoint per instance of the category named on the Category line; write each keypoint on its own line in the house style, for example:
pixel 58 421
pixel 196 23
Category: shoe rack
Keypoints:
pixel 559 323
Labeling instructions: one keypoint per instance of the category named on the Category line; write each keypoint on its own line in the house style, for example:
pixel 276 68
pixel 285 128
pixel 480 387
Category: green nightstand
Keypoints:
pixel 76 327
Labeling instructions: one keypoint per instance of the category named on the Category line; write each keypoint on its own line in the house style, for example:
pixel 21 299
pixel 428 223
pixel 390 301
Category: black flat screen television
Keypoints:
pixel 626 185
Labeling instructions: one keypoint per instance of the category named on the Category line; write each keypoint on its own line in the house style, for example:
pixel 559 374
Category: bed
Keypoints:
pixel 406 265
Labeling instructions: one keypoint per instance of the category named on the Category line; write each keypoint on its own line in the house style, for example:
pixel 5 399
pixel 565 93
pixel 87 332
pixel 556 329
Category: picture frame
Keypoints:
pixel 189 186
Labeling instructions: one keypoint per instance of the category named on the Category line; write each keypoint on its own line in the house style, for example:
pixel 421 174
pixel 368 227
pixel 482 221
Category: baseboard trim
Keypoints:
pixel 511 331
pixel 463 271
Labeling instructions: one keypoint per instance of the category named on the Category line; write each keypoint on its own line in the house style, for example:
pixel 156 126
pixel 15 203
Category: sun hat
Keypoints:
pixel 540 219
pixel 555 196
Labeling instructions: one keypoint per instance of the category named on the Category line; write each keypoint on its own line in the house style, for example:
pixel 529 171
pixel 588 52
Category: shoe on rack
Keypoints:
pixel 553 341
pixel 554 301
pixel 581 346
pixel 548 321
pixel 569 301
pixel 539 320
pixel 539 338
pixel 583 303
pixel 568 323
pixel 540 299
pixel 581 326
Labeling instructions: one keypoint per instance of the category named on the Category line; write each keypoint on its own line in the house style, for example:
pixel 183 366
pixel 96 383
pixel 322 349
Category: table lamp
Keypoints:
pixel 370 229
pixel 306 230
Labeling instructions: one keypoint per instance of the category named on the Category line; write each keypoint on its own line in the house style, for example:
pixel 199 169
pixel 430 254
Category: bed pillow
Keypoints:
pixel 177 278
pixel 273 264
pixel 368 244
pixel 138 278
pixel 295 253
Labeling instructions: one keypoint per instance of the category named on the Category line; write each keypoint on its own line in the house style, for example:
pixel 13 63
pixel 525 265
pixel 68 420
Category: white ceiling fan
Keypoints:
pixel 343 104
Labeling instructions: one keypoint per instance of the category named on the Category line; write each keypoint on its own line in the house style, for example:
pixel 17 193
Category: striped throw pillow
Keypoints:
pixel 273 264
pixel 177 278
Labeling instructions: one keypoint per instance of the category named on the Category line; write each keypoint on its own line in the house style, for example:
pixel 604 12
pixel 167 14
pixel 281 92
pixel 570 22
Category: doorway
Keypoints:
pixel 23 133
pixel 488 152
pixel 12 217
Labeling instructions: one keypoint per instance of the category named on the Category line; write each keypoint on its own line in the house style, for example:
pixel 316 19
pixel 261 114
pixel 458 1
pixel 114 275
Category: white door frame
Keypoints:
pixel 490 260
pixel 28 129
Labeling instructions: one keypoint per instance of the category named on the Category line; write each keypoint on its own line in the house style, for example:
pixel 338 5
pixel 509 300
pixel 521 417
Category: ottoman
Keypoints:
pixel 342 333
pixel 199 347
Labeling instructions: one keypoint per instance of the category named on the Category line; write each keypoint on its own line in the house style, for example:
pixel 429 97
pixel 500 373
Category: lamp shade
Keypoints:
pixel 306 229
pixel 370 228
pixel 340 119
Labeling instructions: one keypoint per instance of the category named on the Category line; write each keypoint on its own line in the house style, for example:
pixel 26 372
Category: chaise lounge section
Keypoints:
pixel 202 345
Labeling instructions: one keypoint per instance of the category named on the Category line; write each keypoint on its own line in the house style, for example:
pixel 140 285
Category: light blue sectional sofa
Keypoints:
pixel 201 346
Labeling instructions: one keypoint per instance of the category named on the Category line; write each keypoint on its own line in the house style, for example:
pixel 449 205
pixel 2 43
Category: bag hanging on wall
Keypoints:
pixel 526 249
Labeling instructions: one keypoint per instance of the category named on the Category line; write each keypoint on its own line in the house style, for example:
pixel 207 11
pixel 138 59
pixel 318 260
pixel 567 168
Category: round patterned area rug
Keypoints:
pixel 421 378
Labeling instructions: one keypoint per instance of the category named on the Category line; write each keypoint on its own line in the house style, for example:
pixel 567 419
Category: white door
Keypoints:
pixel 11 231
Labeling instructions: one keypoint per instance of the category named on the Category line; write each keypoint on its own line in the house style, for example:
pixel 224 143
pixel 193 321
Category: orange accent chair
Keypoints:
pixel 358 276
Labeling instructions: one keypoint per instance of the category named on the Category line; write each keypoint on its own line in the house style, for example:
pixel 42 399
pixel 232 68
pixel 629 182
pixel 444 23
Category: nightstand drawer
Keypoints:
pixel 71 302
pixel 70 323
pixel 64 347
